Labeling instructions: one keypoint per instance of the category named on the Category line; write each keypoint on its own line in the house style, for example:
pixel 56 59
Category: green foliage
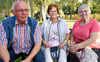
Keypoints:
pixel 40 23
pixel 96 16
pixel 66 9
pixel 1 18
pixel 99 20
pixel 68 6
pixel 18 60
pixel 70 24
pixel 93 11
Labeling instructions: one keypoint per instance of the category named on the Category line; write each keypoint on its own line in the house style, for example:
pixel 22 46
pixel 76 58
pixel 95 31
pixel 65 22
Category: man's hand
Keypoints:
pixel 4 54
pixel 46 44
pixel 33 53
pixel 26 60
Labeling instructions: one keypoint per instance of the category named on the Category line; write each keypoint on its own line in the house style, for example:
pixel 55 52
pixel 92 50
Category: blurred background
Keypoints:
pixel 38 9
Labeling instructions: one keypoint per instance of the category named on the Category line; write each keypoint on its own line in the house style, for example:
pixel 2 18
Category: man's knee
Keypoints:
pixel 39 57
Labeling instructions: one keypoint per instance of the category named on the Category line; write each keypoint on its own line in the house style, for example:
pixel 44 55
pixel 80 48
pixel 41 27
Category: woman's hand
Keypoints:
pixel 73 48
pixel 46 44
pixel 62 45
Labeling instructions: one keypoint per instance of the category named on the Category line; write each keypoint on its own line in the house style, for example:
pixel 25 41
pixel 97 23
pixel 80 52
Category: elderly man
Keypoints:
pixel 20 35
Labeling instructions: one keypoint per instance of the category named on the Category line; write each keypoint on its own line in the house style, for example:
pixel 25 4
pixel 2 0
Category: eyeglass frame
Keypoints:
pixel 22 10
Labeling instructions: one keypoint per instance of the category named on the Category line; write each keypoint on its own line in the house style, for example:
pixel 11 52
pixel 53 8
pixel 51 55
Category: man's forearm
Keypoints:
pixel 34 51
pixel 4 54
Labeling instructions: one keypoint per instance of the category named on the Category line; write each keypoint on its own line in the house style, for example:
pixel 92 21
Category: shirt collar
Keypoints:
pixel 59 19
pixel 26 22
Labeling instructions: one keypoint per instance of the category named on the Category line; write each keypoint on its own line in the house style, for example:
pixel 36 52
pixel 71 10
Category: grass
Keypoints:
pixel 70 24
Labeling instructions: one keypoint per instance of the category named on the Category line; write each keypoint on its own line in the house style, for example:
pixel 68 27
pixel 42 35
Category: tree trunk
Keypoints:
pixel 70 13
pixel 31 8
pixel 7 9
pixel 40 12
pixel 44 7
pixel 87 1
pixel 72 9
pixel 44 13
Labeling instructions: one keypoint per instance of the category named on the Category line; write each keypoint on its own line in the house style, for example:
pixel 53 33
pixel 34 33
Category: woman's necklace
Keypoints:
pixel 84 23
pixel 54 21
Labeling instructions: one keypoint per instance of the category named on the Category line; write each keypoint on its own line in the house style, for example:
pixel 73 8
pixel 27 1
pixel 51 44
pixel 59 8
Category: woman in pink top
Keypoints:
pixel 55 33
pixel 85 32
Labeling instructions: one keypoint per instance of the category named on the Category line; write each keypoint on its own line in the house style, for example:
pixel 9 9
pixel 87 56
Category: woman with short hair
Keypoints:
pixel 55 34
pixel 85 31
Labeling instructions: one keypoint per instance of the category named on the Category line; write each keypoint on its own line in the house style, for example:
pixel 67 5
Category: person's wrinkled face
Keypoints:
pixel 21 11
pixel 53 12
pixel 84 13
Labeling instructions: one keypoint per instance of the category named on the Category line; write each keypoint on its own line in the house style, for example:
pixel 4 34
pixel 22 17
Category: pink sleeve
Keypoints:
pixel 95 27
pixel 37 34
pixel 42 29
pixel 3 40
pixel 67 29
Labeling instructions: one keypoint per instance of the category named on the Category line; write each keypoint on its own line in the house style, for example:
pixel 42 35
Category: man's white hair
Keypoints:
pixel 83 6
pixel 13 4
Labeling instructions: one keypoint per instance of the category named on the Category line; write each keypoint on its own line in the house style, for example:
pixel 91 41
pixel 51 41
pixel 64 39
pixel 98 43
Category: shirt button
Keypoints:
pixel 22 40
pixel 22 46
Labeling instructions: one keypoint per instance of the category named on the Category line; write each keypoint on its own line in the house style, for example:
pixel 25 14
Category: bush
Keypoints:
pixel 93 11
pixel 40 23
pixel 99 20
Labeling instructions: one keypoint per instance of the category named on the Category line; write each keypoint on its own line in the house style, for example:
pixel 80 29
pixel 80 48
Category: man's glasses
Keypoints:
pixel 21 10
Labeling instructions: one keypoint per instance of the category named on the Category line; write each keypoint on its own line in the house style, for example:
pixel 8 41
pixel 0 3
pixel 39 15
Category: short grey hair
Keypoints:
pixel 83 6
pixel 13 4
